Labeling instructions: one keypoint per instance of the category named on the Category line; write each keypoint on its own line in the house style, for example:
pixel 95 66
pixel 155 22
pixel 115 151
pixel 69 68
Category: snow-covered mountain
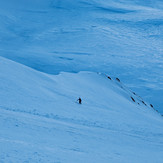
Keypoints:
pixel 52 52
pixel 122 38
pixel 42 122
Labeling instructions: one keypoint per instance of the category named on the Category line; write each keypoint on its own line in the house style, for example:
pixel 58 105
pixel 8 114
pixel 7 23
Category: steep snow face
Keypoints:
pixel 60 36
pixel 122 38
pixel 42 122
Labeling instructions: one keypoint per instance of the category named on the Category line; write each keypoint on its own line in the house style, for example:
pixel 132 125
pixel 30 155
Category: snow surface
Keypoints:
pixel 120 38
pixel 52 52
pixel 41 122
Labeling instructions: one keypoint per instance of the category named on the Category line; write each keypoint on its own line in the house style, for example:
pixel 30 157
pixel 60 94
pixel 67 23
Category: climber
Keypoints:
pixel 80 101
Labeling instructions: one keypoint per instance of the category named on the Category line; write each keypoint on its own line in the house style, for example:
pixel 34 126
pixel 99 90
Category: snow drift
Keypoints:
pixel 123 38
pixel 41 121
pixel 54 51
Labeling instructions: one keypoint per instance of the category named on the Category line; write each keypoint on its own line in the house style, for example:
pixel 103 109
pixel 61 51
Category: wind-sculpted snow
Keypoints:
pixel 122 38
pixel 41 120
pixel 54 51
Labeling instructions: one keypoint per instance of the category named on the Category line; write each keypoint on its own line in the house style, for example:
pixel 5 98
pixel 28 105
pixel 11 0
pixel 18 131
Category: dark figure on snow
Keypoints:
pixel 118 79
pixel 80 101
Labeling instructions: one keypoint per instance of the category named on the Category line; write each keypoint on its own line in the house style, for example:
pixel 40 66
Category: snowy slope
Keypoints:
pixel 41 122
pixel 54 51
pixel 122 38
